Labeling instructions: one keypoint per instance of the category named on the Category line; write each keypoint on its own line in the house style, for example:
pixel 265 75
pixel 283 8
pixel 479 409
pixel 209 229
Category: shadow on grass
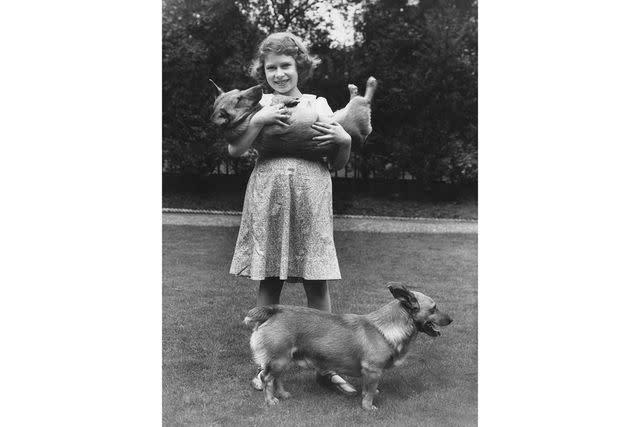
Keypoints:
pixel 207 360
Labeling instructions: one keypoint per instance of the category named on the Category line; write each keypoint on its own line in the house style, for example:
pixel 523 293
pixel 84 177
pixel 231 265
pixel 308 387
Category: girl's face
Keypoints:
pixel 282 74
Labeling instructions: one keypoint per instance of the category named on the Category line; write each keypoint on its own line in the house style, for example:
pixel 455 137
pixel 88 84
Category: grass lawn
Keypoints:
pixel 207 360
pixel 343 203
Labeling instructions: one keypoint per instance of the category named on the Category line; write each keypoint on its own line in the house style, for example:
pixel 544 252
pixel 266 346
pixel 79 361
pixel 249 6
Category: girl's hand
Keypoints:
pixel 333 134
pixel 271 115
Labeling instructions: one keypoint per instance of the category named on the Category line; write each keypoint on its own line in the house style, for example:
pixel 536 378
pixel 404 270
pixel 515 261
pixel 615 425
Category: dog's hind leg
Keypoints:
pixel 280 391
pixel 370 378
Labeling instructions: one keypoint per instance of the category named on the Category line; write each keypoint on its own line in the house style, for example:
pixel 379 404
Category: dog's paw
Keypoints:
pixel 284 394
pixel 369 407
pixel 256 383
pixel 272 400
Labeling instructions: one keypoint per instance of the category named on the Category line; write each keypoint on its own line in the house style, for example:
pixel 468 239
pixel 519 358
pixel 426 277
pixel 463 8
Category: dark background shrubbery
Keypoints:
pixel 424 56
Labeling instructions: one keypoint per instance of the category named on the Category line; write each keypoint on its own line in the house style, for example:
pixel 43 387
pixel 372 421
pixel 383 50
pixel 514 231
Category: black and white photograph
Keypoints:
pixel 320 169
pixel 319 212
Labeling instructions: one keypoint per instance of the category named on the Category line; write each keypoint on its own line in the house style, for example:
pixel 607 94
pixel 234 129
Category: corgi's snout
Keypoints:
pixel 444 320
pixel 440 319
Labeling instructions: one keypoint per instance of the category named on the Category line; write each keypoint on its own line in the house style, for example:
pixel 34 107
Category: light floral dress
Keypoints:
pixel 287 219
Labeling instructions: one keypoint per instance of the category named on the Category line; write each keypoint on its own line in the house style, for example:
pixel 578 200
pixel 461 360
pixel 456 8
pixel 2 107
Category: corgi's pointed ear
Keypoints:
pixel 405 296
pixel 220 91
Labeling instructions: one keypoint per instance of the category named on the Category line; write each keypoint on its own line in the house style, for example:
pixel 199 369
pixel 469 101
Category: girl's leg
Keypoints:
pixel 318 297
pixel 269 291
pixel 317 294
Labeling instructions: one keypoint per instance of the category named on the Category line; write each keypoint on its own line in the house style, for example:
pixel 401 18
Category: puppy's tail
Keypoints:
pixel 258 315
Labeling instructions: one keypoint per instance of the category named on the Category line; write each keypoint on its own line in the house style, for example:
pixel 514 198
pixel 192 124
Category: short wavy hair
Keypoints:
pixel 284 44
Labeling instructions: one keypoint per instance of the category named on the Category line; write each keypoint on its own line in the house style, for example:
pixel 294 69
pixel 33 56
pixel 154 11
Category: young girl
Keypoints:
pixel 286 231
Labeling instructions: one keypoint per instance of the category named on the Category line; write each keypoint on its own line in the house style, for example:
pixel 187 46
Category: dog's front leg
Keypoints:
pixel 371 375
pixel 268 389
pixel 269 382
pixel 272 384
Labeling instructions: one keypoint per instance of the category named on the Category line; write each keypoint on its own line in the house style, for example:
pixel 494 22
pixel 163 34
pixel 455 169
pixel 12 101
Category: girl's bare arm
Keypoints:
pixel 242 144
pixel 272 114
pixel 342 155
pixel 334 134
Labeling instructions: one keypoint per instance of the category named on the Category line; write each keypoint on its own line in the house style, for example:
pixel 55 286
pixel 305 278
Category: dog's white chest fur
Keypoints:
pixel 401 356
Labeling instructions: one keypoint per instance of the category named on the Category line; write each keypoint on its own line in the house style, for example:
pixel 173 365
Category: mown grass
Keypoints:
pixel 343 203
pixel 207 360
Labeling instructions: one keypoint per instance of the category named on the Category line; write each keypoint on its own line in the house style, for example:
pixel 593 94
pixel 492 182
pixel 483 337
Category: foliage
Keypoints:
pixel 423 54
pixel 202 39
pixel 305 18
pixel 425 111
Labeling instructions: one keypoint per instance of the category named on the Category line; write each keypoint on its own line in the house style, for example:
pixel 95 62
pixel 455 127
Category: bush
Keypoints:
pixel 424 57
pixel 425 112
pixel 201 40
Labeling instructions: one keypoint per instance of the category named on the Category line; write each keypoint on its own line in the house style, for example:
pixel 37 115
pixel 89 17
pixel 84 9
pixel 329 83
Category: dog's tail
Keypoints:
pixel 258 315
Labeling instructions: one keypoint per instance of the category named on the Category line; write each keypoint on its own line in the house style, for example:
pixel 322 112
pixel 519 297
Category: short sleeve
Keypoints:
pixel 266 99
pixel 323 108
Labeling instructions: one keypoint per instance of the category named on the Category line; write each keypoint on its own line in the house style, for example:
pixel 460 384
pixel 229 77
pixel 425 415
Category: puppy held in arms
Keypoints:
pixel 350 344
pixel 232 111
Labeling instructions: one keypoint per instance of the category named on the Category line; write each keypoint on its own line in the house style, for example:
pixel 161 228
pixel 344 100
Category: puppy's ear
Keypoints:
pixel 405 296
pixel 218 90
pixel 250 97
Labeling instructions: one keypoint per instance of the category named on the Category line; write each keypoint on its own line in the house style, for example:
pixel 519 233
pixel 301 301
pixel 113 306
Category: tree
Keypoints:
pixel 202 39
pixel 309 19
pixel 423 53
pixel 216 39
pixel 425 112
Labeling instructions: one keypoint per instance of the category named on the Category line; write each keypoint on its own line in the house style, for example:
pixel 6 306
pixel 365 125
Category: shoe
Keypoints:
pixel 335 382
pixel 257 382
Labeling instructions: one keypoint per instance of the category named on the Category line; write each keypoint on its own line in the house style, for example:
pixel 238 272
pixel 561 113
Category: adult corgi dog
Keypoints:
pixel 349 344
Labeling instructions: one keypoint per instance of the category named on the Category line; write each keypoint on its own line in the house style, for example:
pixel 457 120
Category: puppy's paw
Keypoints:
pixel 272 400
pixel 369 407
